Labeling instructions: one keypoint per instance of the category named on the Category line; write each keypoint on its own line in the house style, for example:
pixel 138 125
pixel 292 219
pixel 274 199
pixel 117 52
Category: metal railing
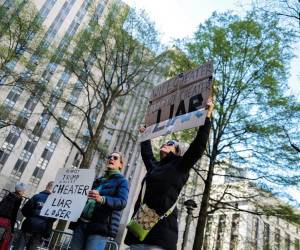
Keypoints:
pixel 60 240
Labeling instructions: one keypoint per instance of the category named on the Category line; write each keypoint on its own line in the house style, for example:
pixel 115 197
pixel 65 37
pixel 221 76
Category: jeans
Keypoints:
pixel 145 247
pixel 83 241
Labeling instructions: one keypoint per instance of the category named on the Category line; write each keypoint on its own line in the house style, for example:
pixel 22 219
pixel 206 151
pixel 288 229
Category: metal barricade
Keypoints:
pixel 60 240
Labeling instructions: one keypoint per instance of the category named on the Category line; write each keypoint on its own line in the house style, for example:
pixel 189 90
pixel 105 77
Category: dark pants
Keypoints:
pixel 30 241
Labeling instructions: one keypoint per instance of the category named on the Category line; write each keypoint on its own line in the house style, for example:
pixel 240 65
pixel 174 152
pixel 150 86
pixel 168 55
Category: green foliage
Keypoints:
pixel 251 57
pixel 180 62
pixel 19 23
pixel 282 211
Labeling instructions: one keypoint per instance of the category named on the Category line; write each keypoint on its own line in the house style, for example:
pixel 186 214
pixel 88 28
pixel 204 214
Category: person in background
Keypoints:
pixel 164 181
pixel 35 227
pixel 9 207
pixel 102 213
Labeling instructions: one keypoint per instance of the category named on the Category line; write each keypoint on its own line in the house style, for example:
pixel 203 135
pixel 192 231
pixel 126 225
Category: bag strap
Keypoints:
pixel 170 210
pixel 143 191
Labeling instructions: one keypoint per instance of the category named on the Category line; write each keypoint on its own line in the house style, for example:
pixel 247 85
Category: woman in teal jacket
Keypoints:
pixel 101 216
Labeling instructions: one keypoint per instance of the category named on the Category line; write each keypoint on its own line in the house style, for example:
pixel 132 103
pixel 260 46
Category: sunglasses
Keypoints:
pixel 112 157
pixel 171 143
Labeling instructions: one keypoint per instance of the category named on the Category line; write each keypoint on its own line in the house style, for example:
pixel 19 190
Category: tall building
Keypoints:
pixel 34 155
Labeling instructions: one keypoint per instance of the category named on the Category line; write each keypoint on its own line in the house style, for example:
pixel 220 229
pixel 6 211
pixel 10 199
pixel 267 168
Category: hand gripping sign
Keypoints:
pixel 179 103
pixel 69 194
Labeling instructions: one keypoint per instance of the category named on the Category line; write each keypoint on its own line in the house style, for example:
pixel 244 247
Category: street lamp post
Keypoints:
pixel 190 206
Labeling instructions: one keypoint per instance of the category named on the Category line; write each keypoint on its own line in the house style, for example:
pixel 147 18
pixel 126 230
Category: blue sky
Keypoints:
pixel 180 18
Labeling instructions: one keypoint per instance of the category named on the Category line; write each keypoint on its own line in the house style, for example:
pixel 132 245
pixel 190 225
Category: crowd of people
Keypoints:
pixel 101 215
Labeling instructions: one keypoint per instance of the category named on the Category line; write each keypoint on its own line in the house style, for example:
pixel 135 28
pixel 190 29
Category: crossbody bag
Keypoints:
pixel 145 218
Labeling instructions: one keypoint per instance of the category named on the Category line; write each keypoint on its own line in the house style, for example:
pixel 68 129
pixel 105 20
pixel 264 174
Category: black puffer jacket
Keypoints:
pixel 164 181
pixel 9 207
pixel 34 222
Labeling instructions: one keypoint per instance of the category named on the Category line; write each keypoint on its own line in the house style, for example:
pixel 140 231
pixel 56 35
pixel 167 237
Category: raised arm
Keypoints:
pixel 147 153
pixel 197 147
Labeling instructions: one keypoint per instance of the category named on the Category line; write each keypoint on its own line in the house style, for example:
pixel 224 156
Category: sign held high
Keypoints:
pixel 179 103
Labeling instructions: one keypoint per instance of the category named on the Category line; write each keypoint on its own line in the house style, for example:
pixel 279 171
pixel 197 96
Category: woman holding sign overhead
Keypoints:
pixel 154 224
pixel 101 215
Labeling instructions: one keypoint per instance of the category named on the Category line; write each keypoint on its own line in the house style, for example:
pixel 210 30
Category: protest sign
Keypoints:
pixel 69 194
pixel 179 103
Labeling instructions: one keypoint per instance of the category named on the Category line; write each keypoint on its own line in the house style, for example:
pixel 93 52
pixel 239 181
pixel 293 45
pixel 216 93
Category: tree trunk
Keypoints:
pixel 199 236
pixel 90 150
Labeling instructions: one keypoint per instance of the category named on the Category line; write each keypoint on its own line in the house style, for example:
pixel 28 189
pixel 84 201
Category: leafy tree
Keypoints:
pixel 19 24
pixel 251 56
pixel 111 59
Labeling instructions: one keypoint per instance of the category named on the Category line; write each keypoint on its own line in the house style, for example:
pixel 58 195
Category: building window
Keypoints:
pixel 266 236
pixel 3 157
pixel 51 67
pixel 7 146
pixel 18 168
pixel 208 229
pixel 72 99
pixel 55 135
pixel 65 115
pixel 287 242
pixel 221 231
pixel 46 154
pixel 234 235
pixel 12 137
pixel 25 155
pixel 30 145
pixel 297 244
pixel 51 146
pixel 9 103
pixel 14 94
pixel 37 176
pixel 65 77
pixel 39 171
pixel 42 163
pixel 255 231
pixel 30 104
pixel 277 239
pixel 25 113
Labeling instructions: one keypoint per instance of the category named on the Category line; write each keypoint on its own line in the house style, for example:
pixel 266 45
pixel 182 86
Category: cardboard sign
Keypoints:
pixel 69 194
pixel 179 103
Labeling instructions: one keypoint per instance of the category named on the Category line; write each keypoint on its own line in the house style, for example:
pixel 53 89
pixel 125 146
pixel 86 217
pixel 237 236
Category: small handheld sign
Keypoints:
pixel 69 194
